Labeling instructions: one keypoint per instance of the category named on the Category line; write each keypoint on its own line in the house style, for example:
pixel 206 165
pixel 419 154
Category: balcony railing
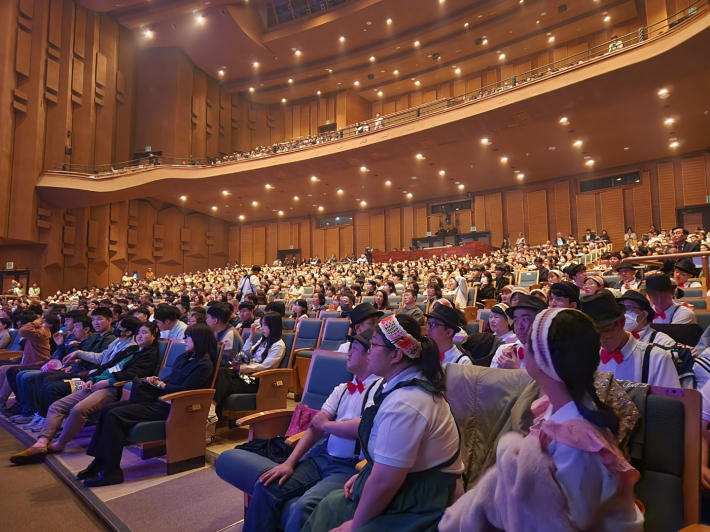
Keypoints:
pixel 608 48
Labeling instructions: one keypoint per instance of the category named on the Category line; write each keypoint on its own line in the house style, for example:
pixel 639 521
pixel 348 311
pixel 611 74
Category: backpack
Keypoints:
pixel 683 360
pixel 480 347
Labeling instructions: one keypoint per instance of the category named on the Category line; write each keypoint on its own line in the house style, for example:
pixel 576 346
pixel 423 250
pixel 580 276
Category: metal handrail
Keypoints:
pixel 639 36
pixel 672 256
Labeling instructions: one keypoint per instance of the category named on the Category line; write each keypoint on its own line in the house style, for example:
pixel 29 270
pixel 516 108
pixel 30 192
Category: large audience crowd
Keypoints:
pixel 578 320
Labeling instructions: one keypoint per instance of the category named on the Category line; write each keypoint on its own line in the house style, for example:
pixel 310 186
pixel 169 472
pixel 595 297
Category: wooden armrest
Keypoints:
pixel 120 383
pixel 295 353
pixel 187 393
pixel 263 416
pixel 360 465
pixel 270 372
pixel 293 440
pixel 9 355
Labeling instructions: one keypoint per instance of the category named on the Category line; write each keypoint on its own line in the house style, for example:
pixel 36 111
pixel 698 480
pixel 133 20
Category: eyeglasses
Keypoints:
pixel 432 324
pixel 373 344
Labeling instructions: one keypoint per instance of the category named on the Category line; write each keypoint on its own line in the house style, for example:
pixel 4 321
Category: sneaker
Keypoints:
pixel 32 423
pixel 13 410
pixel 212 416
pixel 38 426
pixel 22 419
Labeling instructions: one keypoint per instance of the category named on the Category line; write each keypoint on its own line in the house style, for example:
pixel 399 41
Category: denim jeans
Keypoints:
pixel 313 479
pixel 25 390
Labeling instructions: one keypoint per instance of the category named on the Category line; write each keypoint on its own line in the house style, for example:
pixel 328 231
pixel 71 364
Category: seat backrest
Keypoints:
pixel 308 333
pixel 483 315
pixel 669 486
pixel 703 319
pixel 394 300
pixel 288 323
pixel 328 314
pixel 175 349
pixel 472 327
pixel 312 314
pixel 308 290
pixel 699 303
pixel 15 337
pixel 368 299
pixel 611 279
pixel 328 369
pixel 288 338
pixel 386 313
pixel 162 349
pixel 692 292
pixel 334 333
pixel 421 298
pixel 421 306
pixel 528 278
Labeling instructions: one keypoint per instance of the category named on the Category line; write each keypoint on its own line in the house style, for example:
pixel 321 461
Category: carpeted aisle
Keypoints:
pixel 32 498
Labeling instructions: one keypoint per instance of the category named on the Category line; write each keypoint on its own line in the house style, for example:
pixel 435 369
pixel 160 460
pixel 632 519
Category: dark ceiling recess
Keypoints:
pixel 562 8
pixel 479 41
pixel 370 76
pixel 435 56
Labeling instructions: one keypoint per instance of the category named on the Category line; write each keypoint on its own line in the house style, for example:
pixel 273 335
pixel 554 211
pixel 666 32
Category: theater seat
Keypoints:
pixel 14 349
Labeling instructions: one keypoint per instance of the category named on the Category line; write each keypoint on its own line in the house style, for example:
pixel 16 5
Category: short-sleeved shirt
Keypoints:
pixel 676 313
pixel 344 406
pixel 661 369
pixel 646 333
pixel 414 430
pixel 176 333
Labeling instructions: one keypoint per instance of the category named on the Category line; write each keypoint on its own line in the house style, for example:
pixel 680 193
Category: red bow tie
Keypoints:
pixel 442 356
pixel 521 353
pixel 661 315
pixel 352 387
pixel 635 335
pixel 607 356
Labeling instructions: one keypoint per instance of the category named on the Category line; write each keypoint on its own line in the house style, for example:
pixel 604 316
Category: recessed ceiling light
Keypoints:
pixel 268 186
pixel 395 72
pixel 320 208
pixel 283 100
pixel 501 57
pixel 552 148
pixel 442 172
pixel 668 121
pixel 663 93
pixel 417 82
pixel 409 195
pixel 318 93
pixel 520 176
pixel 380 93
pixel 363 203
pixel 340 191
pixel 314 178
pixel 290 80
pixel 296 198
pixel 564 121
pixel 537 22
pixel 465 25
pixel 298 52
pixel 148 33
pixel 183 198
pixel 214 208
pixel 225 192
pixel 420 156
pixel 461 186
pixel 221 72
pixel 626 148
pixel 674 144
pixel 590 162
pixel 251 89
pixel 516 171
pixel 329 70
pixel 551 39
pixel 457 71
pixel 607 18
pixel 200 19
pixel 256 63
pixel 388 183
pixel 484 141
pixel 356 83
pixel 254 203
pixel 372 58
pixel 342 39
pixel 281 213
pixel 389 21
pixel 416 43
pixel 504 159
pixel 484 41
pixel 241 216
pixel 586 156
pixel 578 143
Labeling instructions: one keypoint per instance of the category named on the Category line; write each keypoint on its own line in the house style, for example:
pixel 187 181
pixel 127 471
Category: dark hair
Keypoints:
pixel 685 231
pixel 385 300
pixel 349 295
pixel 102 312
pixel 320 296
pixel 276 306
pixel 410 291
pixel 131 323
pixel 7 322
pixel 220 312
pixel 166 313
pixel 275 325
pixel 204 341
pixel 392 287
pixel 429 360
pixel 574 349
pixel 303 304
pixel 151 326
pixel 27 317
pixel 437 289
pixel 141 310
pixel 247 304
pixel 84 320
pixel 53 321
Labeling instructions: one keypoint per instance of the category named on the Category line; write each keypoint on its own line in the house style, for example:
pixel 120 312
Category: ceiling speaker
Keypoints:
pixel 562 8
pixel 370 77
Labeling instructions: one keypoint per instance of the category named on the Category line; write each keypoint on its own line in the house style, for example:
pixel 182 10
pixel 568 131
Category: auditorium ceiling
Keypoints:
pixel 380 48
pixel 646 104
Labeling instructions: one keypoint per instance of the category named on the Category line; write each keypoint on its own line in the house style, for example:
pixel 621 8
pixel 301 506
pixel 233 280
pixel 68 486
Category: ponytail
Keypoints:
pixel 431 365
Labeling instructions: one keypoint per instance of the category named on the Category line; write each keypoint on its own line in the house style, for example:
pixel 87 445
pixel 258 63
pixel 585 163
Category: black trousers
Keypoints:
pixel 11 375
pixel 115 422
pixel 229 382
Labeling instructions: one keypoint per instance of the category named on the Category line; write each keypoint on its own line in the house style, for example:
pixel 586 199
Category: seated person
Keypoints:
pixel 442 324
pixel 628 280
pixel 347 303
pixel 638 318
pixel 168 320
pixel 318 302
pixel 621 353
pixel 73 410
pixel 508 356
pixel 500 323
pixel 218 315
pixel 331 461
pixel 579 478
pixel 266 353
pixel 193 370
pixel 5 326
pixel 660 292
pixel 683 270
pixel 409 438
pixel 564 295
pixel 409 307
pixel 363 317
pixel 299 309
pixel 382 300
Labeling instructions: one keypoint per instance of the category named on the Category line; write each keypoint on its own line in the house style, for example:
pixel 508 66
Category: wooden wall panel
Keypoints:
pixel 471 85
pixel 196 259
pixel 319 244
pixel 612 213
pixel 666 195
pixel 407 226
pixel 515 213
pixel 694 180
pixel 246 244
pixel 259 245
pixel 304 236
pixel 563 216
pixel 362 232
pixel 294 237
pixel 586 213
pixel 537 217
pixel 346 241
pixel 656 11
pixel 332 242
pixel 377 232
pixel 421 222
pixel 234 247
pixel 394 230
pixel 284 235
pixel 465 221
pixel 479 213
pixel 643 212
pixel 496 218
pixel 272 242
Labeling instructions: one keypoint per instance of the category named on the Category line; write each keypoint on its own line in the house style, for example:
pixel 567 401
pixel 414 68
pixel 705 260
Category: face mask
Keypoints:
pixel 631 321
pixel 484 281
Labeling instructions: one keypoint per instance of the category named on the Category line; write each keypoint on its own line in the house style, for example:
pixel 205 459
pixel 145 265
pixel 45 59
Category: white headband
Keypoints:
pixel 401 339
pixel 538 338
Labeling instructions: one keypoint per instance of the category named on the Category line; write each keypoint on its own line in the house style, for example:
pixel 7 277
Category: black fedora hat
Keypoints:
pixel 530 302
pixel 641 300
pixel 659 283
pixel 445 314
pixel 626 265
pixel 570 290
pixel 364 338
pixel 603 308
pixel 687 266
pixel 363 311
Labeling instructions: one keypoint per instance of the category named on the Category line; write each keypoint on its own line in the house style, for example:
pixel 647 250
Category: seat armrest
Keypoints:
pixel 270 372
pixel 263 416
pixel 9 355
pixel 120 383
pixel 187 393
pixel 293 440
pixel 295 353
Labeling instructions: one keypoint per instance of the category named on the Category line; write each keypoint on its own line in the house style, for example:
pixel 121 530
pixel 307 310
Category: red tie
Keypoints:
pixel 521 353
pixel 352 387
pixel 442 356
pixel 661 315
pixel 635 335
pixel 606 356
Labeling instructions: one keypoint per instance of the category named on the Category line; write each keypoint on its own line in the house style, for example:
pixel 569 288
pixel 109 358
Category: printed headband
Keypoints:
pixel 398 337
pixel 540 345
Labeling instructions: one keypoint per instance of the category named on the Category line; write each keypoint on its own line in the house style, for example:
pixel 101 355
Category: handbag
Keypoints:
pixel 142 392
pixel 301 420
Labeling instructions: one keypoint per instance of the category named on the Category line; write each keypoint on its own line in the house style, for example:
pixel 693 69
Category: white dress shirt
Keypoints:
pixel 176 333
pixel 646 332
pixel 499 352
pixel 661 369
pixel 676 313
pixel 455 356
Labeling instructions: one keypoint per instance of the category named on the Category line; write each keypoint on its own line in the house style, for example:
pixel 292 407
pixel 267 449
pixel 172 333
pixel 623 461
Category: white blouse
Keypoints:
pixel 261 362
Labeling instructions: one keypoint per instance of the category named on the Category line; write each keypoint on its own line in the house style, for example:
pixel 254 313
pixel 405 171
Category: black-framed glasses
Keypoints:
pixel 373 344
